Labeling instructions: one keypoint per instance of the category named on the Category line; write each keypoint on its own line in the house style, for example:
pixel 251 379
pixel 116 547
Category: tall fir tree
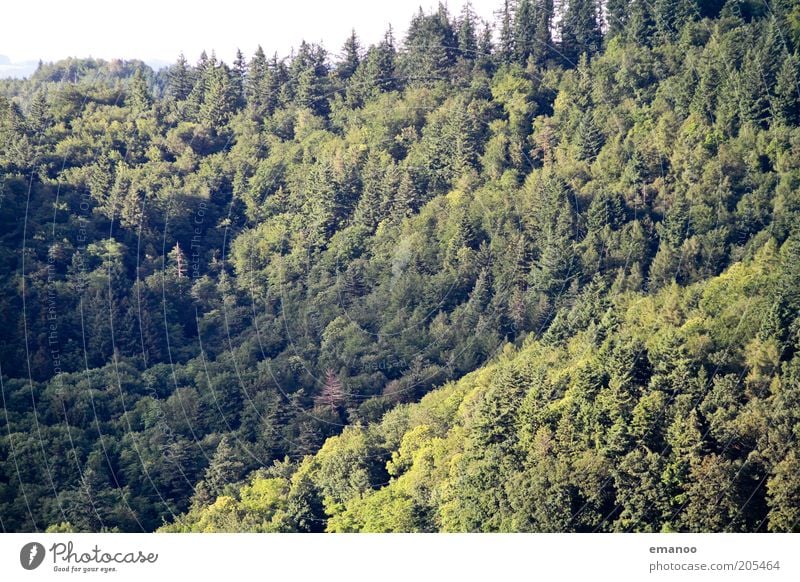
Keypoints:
pixel 140 99
pixel 616 17
pixel 580 30
pixel 239 78
pixel 180 79
pixel 39 117
pixel 671 15
pixel 350 59
pixel 506 46
pixel 467 33
pixel 256 72
pixel 640 26
pixel 524 30
pixel 787 91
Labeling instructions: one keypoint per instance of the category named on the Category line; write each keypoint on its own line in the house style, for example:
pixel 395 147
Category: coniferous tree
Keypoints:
pixel 225 468
pixel 543 37
pixel 140 99
pixel 787 91
pixel 507 49
pixel 308 77
pixel 332 394
pixel 431 46
pixel 485 45
pixel 467 33
pixel 177 260
pixel 383 65
pixel 406 199
pixel 239 78
pixel 616 17
pixel 180 79
pixel 39 117
pixel 671 15
pixel 580 30
pixel 219 101
pixel 350 58
pixel 524 30
pixel 589 138
pixel 256 74
pixel 640 26
pixel 202 75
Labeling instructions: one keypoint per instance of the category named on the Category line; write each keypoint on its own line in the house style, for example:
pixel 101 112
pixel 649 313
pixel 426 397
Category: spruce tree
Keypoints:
pixel 256 72
pixel 332 394
pixel 431 46
pixel 219 100
pixel 543 37
pixel 589 138
pixel 351 57
pixel 640 26
pixel 507 52
pixel 524 31
pixel 617 12
pixel 580 30
pixel 671 15
pixel 180 79
pixel 467 33
pixel 225 468
pixel 787 91
pixel 139 99
pixel 239 78
pixel 39 117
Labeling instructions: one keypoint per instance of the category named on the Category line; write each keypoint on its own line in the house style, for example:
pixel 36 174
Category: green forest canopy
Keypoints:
pixel 546 279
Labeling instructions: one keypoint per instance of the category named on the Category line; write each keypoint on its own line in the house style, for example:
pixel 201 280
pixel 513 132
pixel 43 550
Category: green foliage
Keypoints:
pixel 583 435
pixel 577 255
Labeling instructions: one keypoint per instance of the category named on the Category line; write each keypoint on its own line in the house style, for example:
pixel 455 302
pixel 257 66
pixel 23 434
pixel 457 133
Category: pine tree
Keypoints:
pixel 239 78
pixel 524 31
pixel 38 118
pixel 256 72
pixel 507 51
pixel 180 79
pixel 787 91
pixel 671 15
pixel 139 99
pixel 350 59
pixel 640 25
pixel 177 259
pixel 467 35
pixel 332 394
pixel 580 30
pixel 616 17
pixel 225 468
pixel 219 100
pixel 589 138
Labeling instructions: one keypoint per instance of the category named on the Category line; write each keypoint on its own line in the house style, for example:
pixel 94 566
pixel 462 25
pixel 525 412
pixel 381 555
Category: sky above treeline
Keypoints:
pixel 156 31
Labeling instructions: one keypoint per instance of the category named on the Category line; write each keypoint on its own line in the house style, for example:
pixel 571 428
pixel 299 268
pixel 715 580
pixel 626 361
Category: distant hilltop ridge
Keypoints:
pixel 16 70
pixel 24 69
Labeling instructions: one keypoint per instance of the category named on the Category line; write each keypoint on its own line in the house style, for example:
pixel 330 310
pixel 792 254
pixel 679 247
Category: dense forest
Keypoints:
pixel 534 274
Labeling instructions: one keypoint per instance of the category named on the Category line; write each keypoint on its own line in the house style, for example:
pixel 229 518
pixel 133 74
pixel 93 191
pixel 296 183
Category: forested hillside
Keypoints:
pixel 539 274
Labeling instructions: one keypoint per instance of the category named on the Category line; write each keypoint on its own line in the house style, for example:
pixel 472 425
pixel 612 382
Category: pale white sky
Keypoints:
pixel 160 29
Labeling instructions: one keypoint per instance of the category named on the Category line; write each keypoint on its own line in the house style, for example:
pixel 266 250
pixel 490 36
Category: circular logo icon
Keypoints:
pixel 31 555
